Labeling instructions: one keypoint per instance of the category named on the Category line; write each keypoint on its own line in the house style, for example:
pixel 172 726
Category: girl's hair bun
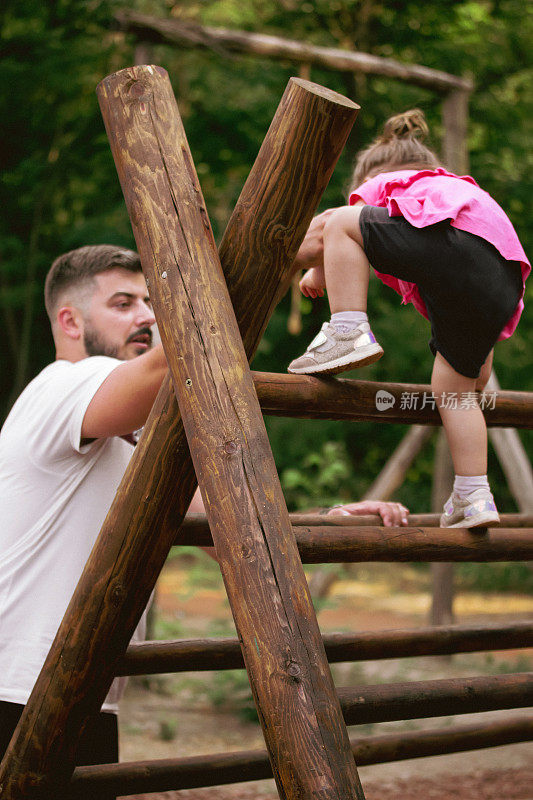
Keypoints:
pixel 410 124
pixel 400 146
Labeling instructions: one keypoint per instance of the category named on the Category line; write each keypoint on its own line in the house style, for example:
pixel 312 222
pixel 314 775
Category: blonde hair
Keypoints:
pixel 398 147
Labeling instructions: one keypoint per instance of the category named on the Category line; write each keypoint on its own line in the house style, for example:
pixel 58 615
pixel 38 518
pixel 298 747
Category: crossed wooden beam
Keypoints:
pixel 220 430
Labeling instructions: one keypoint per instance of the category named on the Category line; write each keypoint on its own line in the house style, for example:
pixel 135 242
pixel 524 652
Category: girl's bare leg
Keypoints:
pixel 346 266
pixel 484 373
pixel 347 342
pixel 465 426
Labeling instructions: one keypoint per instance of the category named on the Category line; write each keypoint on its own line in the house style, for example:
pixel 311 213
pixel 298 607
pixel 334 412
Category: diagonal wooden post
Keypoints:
pixel 274 210
pixel 282 647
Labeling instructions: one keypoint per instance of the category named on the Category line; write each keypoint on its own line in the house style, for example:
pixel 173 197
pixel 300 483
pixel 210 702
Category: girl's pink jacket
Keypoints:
pixel 429 196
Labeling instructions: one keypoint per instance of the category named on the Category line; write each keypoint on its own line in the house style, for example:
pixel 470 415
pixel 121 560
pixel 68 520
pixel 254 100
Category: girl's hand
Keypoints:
pixel 313 283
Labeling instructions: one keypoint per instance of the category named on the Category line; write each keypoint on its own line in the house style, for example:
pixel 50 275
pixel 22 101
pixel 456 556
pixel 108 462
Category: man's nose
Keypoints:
pixel 145 316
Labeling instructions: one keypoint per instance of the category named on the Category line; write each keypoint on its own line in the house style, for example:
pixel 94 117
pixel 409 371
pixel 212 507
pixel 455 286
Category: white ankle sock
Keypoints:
pixel 346 321
pixel 466 484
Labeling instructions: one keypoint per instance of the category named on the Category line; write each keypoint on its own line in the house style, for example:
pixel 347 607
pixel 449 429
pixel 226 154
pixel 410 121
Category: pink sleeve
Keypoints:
pixel 371 192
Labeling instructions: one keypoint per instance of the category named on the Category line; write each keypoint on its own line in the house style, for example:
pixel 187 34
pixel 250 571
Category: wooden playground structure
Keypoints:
pixel 454 94
pixel 207 425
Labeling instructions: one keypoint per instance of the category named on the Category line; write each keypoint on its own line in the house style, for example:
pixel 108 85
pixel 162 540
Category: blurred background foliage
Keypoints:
pixel 60 189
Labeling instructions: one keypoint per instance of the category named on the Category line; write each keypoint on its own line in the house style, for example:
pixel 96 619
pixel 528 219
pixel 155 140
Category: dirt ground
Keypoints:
pixel 187 715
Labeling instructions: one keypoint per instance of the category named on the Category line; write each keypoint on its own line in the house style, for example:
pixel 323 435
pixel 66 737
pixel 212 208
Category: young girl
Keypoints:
pixel 447 247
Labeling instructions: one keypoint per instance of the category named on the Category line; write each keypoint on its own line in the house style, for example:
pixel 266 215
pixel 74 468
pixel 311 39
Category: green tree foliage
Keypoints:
pixel 60 188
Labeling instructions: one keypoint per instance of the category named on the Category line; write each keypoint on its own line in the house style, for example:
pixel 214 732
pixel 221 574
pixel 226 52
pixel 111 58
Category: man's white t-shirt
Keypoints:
pixel 54 496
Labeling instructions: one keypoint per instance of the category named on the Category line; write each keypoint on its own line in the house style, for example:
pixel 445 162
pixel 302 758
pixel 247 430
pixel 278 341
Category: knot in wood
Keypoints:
pixel 117 594
pixel 247 548
pixel 230 447
pixel 293 669
pixel 139 92
pixel 276 232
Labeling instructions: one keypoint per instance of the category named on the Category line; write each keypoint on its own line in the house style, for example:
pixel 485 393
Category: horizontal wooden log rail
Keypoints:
pixel 196 524
pixel 441 741
pixel 415 520
pixel 222 40
pixel 187 655
pixel 421 699
pixel 253 765
pixel 304 396
pixel 352 544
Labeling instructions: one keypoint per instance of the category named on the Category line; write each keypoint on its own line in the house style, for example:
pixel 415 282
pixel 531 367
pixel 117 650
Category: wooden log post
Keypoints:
pixel 256 549
pixel 455 124
pixel 513 458
pixel 455 155
pixel 263 236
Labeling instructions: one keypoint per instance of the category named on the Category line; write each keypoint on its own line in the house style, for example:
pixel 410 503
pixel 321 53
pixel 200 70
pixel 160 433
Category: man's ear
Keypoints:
pixel 70 322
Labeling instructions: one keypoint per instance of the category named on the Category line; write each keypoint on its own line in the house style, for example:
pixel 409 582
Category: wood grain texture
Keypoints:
pixel 263 236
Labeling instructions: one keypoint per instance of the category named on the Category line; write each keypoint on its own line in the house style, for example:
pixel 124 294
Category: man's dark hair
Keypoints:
pixel 78 267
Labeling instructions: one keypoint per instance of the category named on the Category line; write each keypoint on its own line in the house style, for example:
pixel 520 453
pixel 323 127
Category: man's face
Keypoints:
pixel 120 317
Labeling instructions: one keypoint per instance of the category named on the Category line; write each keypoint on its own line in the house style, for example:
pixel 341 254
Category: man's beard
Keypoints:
pixel 96 346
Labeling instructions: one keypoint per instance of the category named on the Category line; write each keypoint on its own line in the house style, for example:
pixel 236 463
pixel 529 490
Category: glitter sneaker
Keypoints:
pixel 331 352
pixel 475 511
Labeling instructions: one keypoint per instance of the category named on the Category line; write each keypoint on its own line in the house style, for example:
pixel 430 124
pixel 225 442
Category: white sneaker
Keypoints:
pixel 475 511
pixel 332 352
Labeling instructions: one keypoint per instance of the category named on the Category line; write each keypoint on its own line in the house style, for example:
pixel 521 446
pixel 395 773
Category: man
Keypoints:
pixel 63 450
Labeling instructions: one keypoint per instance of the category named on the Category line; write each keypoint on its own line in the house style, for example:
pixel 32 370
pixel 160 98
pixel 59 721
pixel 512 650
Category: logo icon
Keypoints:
pixel 384 400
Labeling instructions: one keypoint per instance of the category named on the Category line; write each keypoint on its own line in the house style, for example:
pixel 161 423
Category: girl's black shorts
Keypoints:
pixel 469 289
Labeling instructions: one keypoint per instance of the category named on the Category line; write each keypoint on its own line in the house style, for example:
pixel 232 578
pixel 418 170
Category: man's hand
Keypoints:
pixel 393 515
pixel 313 283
